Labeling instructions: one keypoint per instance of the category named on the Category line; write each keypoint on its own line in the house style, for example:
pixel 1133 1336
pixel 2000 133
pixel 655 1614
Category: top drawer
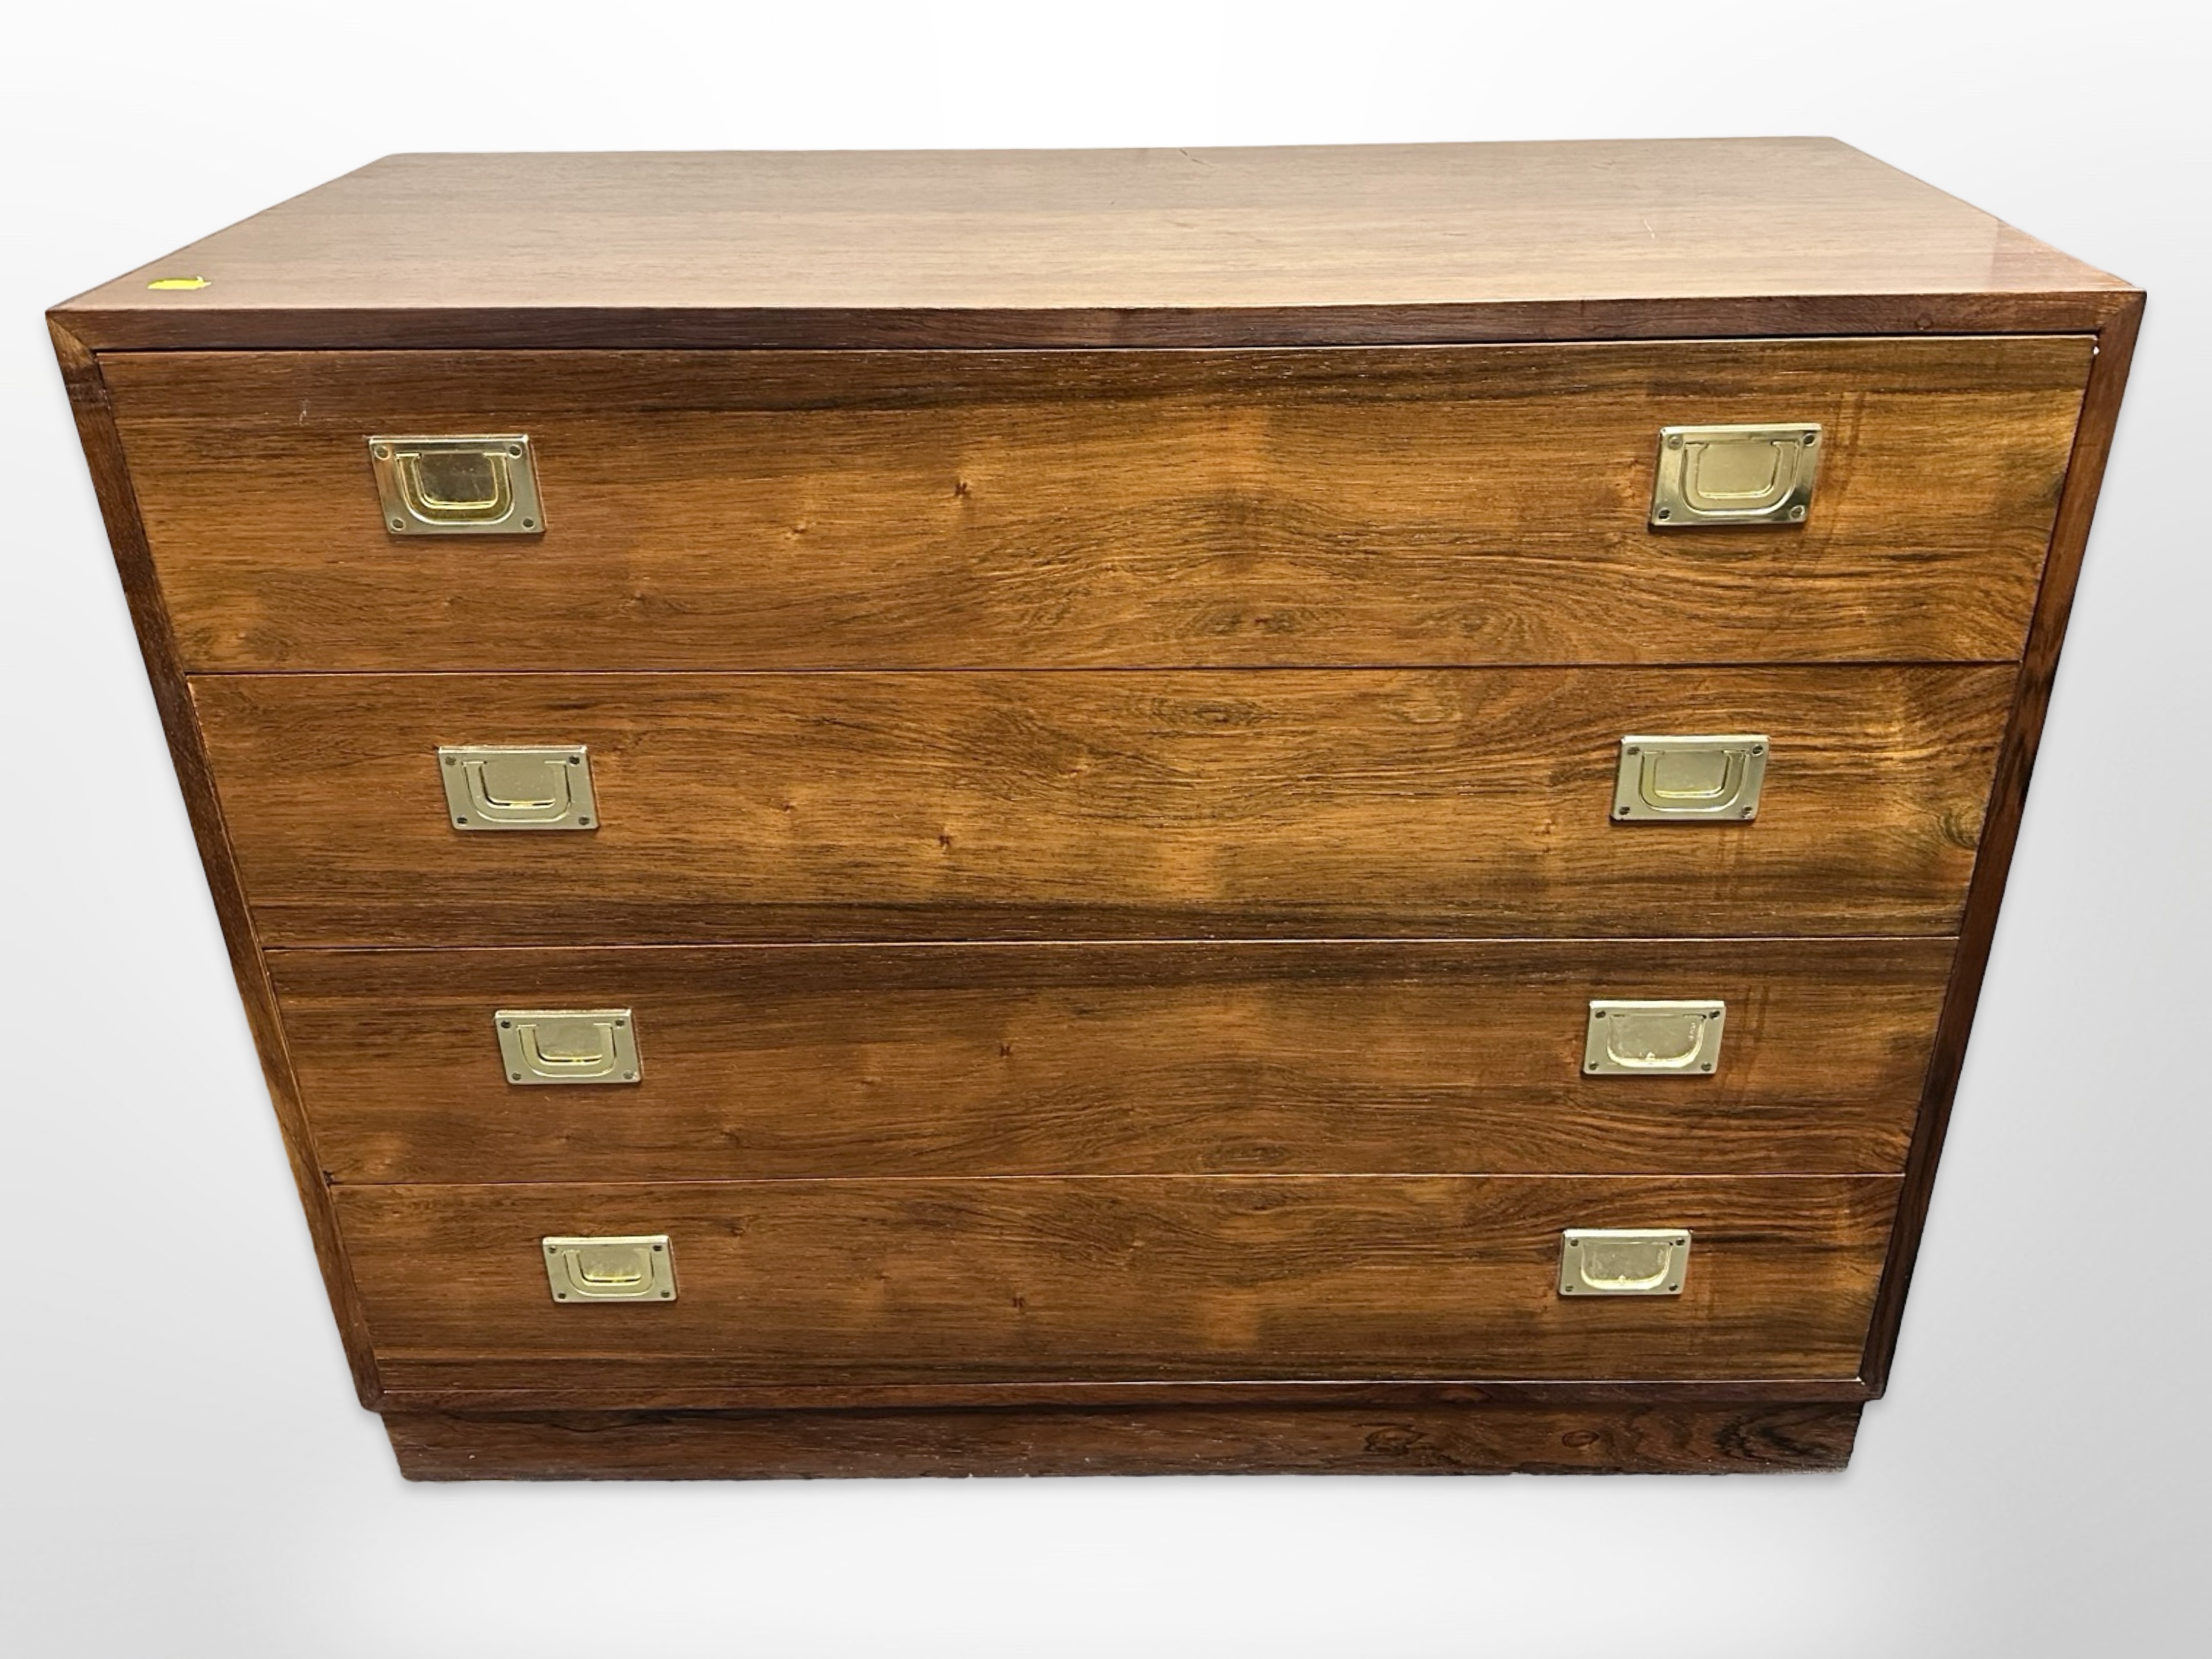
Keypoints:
pixel 1464 505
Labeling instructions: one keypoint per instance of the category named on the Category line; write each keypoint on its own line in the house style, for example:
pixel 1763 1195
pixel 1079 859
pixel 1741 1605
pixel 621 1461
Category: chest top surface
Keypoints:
pixel 1376 244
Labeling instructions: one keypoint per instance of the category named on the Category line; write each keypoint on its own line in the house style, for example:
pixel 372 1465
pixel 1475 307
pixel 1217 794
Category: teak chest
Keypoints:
pixel 1120 812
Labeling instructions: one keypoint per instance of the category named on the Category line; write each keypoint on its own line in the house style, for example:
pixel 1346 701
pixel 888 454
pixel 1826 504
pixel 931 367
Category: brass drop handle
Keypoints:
pixel 1623 1261
pixel 1653 1038
pixel 1710 476
pixel 1689 779
pixel 493 787
pixel 484 485
pixel 610 1267
pixel 567 1045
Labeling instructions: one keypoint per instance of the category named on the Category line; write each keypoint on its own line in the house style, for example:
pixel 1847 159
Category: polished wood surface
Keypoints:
pixel 452 1387
pixel 1127 1277
pixel 157 643
pixel 1208 1096
pixel 776 1061
pixel 1473 1438
pixel 2007 803
pixel 1485 504
pixel 1106 248
pixel 1090 805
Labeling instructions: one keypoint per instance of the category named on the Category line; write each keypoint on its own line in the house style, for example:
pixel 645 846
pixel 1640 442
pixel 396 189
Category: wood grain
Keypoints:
pixel 783 1062
pixel 1096 805
pixel 1118 1278
pixel 1466 505
pixel 157 644
pixel 1191 1293
pixel 1448 1439
pixel 1408 243
pixel 2007 802
pixel 454 1391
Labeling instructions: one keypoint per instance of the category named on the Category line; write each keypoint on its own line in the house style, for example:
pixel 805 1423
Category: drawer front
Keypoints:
pixel 1411 505
pixel 1132 1278
pixel 1102 805
pixel 772 1061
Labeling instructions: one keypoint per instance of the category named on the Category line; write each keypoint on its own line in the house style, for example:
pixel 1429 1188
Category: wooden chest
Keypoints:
pixel 977 814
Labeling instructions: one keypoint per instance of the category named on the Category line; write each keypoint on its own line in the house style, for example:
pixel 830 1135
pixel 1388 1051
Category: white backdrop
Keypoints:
pixel 184 1472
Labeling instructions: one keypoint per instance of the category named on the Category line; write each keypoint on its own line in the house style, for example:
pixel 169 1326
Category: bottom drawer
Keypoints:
pixel 1135 1279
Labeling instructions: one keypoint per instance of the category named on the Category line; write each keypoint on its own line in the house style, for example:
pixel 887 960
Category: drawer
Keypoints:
pixel 1160 508
pixel 1133 1278
pixel 1103 806
pixel 965 1059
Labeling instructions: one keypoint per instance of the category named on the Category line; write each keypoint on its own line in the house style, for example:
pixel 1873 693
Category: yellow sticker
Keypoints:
pixel 169 284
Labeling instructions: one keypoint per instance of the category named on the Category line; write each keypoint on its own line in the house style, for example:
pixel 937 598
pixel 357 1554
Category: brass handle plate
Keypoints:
pixel 1653 1039
pixel 614 1268
pixel 481 485
pixel 1735 475
pixel 1689 779
pixel 493 787
pixel 1623 1261
pixel 567 1045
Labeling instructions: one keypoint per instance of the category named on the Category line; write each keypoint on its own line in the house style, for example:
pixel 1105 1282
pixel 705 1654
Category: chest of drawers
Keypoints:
pixel 1119 811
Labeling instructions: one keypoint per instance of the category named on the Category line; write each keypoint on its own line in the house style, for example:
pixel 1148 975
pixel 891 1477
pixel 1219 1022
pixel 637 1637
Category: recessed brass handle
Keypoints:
pixel 1735 475
pixel 1689 779
pixel 616 1267
pixel 494 787
pixel 1648 1039
pixel 567 1045
pixel 482 485
pixel 1623 1261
